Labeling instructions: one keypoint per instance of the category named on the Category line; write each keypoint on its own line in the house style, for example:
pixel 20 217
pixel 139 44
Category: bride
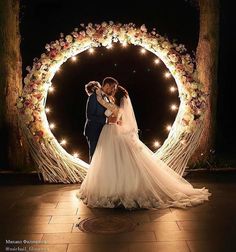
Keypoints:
pixel 123 171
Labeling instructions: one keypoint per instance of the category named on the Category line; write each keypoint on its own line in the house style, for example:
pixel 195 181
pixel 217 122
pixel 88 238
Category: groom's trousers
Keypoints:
pixel 92 146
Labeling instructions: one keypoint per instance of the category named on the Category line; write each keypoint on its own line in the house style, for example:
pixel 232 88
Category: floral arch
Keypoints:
pixel 54 163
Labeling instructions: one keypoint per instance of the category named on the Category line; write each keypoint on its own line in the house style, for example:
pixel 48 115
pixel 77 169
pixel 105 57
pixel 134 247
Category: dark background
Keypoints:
pixel 42 21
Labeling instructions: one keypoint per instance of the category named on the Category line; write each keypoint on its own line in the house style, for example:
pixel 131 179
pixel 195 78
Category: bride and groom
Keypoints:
pixel 123 171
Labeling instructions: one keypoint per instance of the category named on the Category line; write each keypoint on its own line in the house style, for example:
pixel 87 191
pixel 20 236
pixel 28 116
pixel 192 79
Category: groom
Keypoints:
pixel 95 117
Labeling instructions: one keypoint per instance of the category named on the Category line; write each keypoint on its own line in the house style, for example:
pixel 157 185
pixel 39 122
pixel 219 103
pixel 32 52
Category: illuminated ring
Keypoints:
pixel 55 164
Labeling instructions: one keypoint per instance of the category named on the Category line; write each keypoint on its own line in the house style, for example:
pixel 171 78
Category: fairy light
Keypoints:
pixel 168 127
pixel 124 44
pixel 51 89
pixel 73 58
pixel 91 50
pixel 143 51
pixel 167 74
pixel 59 69
pixel 172 89
pixel 156 144
pixel 110 46
pixel 75 154
pixel 52 125
pixel 63 142
pixel 78 46
pixel 157 61
pixel 174 107
pixel 47 110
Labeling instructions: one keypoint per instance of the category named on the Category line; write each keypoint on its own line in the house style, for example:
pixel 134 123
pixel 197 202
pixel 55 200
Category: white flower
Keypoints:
pixel 104 24
pixel 69 38
pixel 166 45
pixel 34 100
pixel 194 94
pixel 47 47
pixel 26 80
pixel 28 118
pixel 194 85
pixel 173 58
pixel 28 111
pixel 19 105
pixel 143 28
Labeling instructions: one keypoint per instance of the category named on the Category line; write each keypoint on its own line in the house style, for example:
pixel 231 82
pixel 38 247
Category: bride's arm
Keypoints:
pixel 110 106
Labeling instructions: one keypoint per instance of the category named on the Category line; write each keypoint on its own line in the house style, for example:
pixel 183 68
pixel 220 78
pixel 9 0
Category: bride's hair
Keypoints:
pixel 91 87
pixel 120 93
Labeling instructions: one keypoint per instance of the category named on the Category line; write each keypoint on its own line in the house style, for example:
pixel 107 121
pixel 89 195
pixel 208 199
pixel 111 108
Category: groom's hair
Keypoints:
pixel 109 81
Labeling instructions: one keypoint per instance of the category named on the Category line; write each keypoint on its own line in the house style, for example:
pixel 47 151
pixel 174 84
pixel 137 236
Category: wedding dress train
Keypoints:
pixel 124 172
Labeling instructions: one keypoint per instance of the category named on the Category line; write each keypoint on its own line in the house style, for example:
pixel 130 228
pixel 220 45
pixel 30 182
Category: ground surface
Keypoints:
pixel 49 213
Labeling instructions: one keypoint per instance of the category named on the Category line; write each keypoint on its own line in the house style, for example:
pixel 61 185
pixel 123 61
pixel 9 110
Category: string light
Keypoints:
pixel 157 61
pixel 168 127
pixel 156 144
pixel 172 89
pixel 52 126
pixel 59 69
pixel 47 110
pixel 73 58
pixel 91 50
pixel 63 142
pixel 124 44
pixel 143 51
pixel 76 154
pixel 109 46
pixel 51 89
pixel 167 74
pixel 174 107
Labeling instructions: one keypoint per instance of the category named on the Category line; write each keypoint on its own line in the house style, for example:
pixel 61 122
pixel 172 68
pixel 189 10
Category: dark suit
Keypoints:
pixel 95 120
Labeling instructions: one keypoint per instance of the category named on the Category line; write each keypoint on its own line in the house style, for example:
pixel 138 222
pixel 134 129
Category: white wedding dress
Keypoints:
pixel 123 171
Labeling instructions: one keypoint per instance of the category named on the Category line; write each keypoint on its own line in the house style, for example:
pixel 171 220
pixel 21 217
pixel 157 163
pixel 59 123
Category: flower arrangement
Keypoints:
pixel 31 103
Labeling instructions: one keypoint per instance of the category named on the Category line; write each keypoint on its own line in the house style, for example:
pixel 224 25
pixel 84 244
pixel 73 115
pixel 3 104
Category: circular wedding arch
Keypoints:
pixel 53 162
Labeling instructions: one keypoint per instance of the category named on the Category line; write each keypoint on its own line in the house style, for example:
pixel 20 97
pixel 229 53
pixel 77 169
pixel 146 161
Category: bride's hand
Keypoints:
pixel 98 91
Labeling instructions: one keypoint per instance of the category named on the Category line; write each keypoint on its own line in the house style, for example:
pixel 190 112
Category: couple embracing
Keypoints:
pixel 123 171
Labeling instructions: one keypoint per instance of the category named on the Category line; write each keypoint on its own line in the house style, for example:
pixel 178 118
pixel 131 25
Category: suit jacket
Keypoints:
pixel 95 118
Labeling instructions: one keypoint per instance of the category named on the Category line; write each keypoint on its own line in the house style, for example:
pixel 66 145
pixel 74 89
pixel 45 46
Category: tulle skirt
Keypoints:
pixel 123 172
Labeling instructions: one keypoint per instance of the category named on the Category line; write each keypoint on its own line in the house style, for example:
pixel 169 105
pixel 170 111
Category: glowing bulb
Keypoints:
pixel 156 144
pixel 173 107
pixel 47 110
pixel 124 44
pixel 91 50
pixel 109 46
pixel 52 126
pixel 73 58
pixel 59 69
pixel 75 155
pixel 156 61
pixel 168 127
pixel 143 51
pixel 63 142
pixel 167 74
pixel 172 89
pixel 51 89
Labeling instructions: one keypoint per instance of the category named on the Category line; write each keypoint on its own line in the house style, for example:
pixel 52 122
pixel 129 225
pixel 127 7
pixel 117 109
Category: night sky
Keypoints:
pixel 42 21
